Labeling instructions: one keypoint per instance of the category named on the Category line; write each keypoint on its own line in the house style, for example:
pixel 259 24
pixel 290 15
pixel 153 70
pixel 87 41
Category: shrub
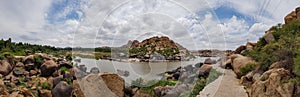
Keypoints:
pixel 69 57
pixel 249 67
pixel 46 85
pixel 148 86
pixel 64 69
pixel 296 69
pixel 38 60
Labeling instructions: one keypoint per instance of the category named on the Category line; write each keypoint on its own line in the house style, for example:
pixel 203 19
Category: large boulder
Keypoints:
pixel 240 49
pixel 102 85
pixel 5 67
pixel 48 68
pixel 204 70
pixel 238 62
pixel 210 61
pixel 29 59
pixel 62 89
pixel 269 36
pixel 273 83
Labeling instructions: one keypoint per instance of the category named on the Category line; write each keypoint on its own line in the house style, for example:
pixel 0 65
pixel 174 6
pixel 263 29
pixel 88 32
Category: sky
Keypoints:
pixel 195 24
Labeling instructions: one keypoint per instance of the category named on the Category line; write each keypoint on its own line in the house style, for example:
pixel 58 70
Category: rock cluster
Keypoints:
pixel 45 76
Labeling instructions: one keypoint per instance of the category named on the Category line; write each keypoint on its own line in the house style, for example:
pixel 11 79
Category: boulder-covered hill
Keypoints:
pixel 155 45
pixel 271 67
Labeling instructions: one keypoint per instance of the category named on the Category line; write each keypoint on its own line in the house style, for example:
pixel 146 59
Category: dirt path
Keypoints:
pixel 226 85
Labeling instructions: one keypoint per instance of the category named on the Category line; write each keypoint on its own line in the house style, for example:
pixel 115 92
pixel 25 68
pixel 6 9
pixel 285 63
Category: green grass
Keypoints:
pixel 148 86
pixel 249 67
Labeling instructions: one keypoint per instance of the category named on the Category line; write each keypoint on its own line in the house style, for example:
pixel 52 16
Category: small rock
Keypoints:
pixel 82 68
pixel 95 70
pixel 198 65
pixel 56 80
pixel 210 61
pixel 32 72
pixel 45 93
pixel 5 67
pixel 65 64
pixel 204 70
pixel 19 71
pixel 62 89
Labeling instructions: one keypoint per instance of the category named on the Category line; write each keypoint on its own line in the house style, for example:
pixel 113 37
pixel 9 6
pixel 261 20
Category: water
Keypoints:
pixel 145 70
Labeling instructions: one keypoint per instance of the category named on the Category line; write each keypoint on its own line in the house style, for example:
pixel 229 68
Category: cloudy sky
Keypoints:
pixel 195 24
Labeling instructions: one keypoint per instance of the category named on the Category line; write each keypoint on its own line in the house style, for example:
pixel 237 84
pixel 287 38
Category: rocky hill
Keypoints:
pixel 271 67
pixel 156 46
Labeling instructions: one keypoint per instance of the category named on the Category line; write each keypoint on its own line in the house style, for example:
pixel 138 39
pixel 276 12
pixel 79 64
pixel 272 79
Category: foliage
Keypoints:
pixel 249 67
pixel 148 86
pixel 20 48
pixel 213 75
pixel 64 69
pixel 5 55
pixel 285 46
pixel 22 82
pixel 199 86
pixel 46 85
pixel 38 60
pixel 297 64
pixel 69 57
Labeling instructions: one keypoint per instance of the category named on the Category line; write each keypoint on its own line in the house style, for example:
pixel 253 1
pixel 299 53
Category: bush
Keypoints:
pixel 64 69
pixel 148 86
pixel 69 57
pixel 199 86
pixel 38 60
pixel 46 85
pixel 249 67
pixel 6 55
pixel 296 69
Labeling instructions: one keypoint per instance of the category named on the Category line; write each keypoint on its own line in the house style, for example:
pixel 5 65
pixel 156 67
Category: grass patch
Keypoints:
pixel 148 86
pixel 249 67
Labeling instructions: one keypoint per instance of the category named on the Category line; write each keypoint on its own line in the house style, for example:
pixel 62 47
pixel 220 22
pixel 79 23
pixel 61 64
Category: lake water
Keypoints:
pixel 145 70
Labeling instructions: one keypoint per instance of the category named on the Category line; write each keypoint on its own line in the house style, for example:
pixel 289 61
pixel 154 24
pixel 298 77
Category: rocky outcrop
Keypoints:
pixel 156 45
pixel 293 16
pixel 238 62
pixel 102 85
pixel 269 37
pixel 273 83
pixel 239 49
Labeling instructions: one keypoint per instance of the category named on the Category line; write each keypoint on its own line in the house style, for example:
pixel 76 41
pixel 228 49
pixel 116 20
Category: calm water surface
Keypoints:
pixel 145 70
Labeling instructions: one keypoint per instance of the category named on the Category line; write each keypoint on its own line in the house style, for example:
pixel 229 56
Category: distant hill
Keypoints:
pixel 155 45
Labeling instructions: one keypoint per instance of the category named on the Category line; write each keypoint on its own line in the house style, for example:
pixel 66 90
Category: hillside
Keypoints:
pixel 156 45
pixel 271 67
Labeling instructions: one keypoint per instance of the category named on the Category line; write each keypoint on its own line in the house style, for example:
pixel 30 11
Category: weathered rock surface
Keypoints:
pixel 273 83
pixel 5 67
pixel 204 70
pixel 62 89
pixel 48 68
pixel 238 62
pixel 102 85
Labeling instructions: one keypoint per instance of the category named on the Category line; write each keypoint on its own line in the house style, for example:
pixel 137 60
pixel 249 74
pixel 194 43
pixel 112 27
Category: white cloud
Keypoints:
pixel 106 20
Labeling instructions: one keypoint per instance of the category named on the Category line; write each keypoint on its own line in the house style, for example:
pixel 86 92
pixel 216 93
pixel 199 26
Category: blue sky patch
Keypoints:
pixel 225 12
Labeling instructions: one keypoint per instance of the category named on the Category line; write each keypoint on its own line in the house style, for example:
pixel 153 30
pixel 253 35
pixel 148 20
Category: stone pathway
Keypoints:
pixel 226 85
